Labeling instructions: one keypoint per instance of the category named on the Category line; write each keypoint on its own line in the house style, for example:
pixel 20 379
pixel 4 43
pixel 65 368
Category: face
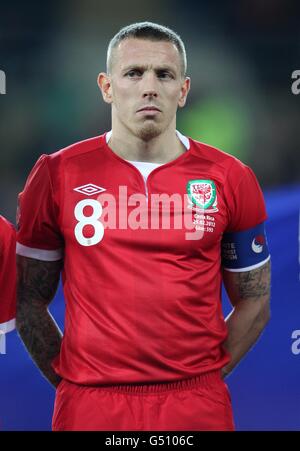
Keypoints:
pixel 145 87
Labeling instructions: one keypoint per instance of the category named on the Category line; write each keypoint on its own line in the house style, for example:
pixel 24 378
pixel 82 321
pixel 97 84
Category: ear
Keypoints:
pixel 104 83
pixel 184 91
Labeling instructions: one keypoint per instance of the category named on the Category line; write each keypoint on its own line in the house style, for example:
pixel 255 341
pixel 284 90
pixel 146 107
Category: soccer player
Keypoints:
pixel 145 345
pixel 7 280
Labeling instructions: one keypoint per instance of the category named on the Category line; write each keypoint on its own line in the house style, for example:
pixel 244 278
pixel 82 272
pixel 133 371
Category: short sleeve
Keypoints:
pixel 7 276
pixel 38 233
pixel 245 200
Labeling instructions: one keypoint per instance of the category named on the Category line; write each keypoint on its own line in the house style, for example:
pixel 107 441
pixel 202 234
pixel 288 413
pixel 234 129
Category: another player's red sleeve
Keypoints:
pixel 246 205
pixel 7 276
pixel 38 231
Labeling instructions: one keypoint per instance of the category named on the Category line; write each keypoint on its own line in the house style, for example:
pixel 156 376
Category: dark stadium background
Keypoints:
pixel 241 55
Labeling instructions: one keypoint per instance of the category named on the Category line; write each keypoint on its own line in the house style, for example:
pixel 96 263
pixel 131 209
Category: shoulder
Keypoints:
pixel 215 155
pixel 227 165
pixel 77 149
pixel 77 153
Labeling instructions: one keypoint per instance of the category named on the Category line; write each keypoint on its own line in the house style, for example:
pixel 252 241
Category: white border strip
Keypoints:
pixel 39 254
pixel 8 326
pixel 249 268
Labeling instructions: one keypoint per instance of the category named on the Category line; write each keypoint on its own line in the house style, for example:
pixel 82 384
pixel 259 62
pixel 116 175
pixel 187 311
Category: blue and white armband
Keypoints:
pixel 246 250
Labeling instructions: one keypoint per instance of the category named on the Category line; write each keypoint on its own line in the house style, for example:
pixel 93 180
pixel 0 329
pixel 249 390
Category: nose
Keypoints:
pixel 150 85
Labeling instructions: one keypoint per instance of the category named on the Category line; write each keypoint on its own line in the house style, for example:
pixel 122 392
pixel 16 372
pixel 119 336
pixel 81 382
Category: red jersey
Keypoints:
pixel 7 276
pixel 143 302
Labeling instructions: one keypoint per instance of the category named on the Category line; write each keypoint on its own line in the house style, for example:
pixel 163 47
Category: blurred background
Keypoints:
pixel 241 55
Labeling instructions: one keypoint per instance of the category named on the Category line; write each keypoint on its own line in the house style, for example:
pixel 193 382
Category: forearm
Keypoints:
pixel 37 285
pixel 245 324
pixel 41 336
pixel 249 293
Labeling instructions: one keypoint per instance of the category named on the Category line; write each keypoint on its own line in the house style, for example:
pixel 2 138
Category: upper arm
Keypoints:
pixel 253 285
pixel 39 236
pixel 244 247
pixel 39 241
pixel 37 281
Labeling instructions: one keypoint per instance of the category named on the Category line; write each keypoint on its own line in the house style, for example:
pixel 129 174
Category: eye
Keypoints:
pixel 164 74
pixel 133 73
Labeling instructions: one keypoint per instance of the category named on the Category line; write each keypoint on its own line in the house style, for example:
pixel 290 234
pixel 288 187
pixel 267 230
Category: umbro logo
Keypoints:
pixel 90 189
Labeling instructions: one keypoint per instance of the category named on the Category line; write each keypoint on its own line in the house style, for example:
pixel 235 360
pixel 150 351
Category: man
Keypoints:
pixel 145 344
pixel 7 280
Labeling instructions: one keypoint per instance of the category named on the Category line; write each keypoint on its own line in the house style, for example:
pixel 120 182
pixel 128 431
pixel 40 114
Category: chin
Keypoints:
pixel 149 131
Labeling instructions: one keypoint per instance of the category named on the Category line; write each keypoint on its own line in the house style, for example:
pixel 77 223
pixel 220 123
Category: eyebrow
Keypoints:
pixel 145 67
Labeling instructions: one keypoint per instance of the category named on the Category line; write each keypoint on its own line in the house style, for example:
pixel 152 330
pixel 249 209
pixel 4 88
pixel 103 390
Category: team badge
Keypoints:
pixel 203 194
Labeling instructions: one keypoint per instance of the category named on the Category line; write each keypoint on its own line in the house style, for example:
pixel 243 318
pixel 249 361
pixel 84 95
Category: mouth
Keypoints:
pixel 149 108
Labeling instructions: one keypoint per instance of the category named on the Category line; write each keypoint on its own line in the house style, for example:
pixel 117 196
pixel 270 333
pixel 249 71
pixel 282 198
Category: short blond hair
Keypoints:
pixel 152 32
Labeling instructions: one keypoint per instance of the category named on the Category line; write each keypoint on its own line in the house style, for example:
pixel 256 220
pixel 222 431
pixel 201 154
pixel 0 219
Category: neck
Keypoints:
pixel 161 149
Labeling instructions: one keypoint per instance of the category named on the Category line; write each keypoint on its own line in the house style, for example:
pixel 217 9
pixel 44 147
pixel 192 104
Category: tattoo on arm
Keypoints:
pixel 255 283
pixel 37 284
pixel 249 293
pixel 249 285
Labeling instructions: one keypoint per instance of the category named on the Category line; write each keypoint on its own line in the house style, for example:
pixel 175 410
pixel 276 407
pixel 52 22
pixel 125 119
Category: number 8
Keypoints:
pixel 88 220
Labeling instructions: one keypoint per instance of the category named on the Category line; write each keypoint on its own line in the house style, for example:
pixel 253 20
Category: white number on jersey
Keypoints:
pixel 92 220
